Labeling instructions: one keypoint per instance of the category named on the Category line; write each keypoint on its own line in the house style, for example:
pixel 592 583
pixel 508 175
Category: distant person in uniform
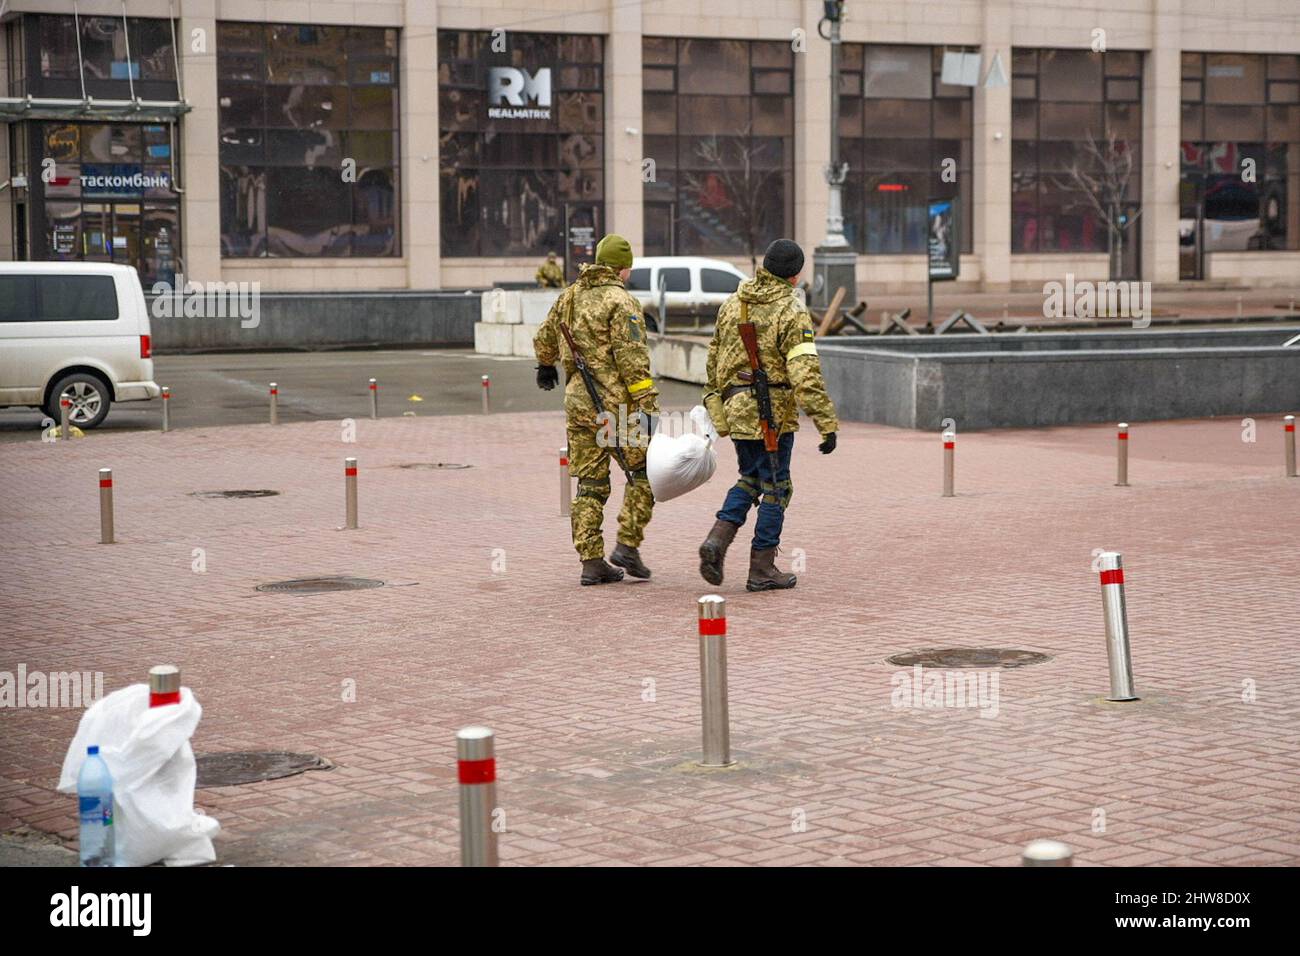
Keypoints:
pixel 550 275
pixel 606 325
pixel 789 357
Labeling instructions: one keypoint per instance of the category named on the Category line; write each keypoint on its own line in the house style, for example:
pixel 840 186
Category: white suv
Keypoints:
pixel 75 330
pixel 693 286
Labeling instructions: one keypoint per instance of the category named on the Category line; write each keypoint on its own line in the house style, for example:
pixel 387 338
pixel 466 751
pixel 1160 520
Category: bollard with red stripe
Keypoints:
pixel 1111 567
pixel 350 481
pixel 275 404
pixel 487 387
pixel 166 409
pixel 566 484
pixel 713 681
pixel 1288 426
pixel 476 768
pixel 106 506
pixel 374 398
pixel 1121 452
pixel 164 685
pixel 65 418
pixel 949 450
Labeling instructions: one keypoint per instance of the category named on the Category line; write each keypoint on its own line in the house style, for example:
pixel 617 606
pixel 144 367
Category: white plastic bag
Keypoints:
pixel 148 753
pixel 681 463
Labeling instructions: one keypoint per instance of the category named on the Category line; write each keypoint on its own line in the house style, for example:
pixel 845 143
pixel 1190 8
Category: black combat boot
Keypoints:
pixel 596 571
pixel 764 575
pixel 714 550
pixel 629 559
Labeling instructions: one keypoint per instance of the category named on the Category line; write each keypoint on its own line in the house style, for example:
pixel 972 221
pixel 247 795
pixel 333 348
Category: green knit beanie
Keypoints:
pixel 614 251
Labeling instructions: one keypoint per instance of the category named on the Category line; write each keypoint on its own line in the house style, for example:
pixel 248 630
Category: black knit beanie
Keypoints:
pixel 783 258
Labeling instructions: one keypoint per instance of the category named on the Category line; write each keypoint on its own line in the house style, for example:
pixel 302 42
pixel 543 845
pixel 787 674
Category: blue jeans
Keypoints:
pixel 758 487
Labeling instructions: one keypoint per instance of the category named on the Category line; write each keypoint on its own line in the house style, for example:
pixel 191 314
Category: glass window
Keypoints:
pixel 638 280
pixel 723 145
pixel 715 280
pixel 897 72
pixel 76 298
pixel 1070 76
pixel 17 298
pixel 296 101
pixel 676 280
pixel 1234 78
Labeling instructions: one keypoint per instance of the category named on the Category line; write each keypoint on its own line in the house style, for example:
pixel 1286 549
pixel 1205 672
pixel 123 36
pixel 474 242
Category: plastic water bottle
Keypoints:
pixel 95 805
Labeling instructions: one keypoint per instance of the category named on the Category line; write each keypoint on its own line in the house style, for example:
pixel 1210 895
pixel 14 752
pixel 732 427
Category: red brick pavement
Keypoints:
pixel 590 772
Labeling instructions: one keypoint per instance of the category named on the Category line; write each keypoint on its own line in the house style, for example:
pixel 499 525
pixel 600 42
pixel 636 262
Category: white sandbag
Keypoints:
pixel 148 753
pixel 676 464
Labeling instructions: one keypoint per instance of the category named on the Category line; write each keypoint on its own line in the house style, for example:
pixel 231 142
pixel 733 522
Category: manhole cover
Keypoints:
pixel 251 766
pixel 320 585
pixel 239 493
pixel 435 465
pixel 957 657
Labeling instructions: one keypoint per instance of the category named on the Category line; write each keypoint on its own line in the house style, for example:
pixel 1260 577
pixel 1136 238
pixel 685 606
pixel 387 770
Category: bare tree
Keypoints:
pixel 733 161
pixel 1102 172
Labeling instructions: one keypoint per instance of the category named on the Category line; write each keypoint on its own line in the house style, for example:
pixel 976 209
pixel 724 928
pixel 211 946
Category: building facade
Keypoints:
pixel 421 144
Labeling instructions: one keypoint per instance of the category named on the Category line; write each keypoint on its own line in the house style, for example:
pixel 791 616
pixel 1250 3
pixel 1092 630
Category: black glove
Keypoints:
pixel 547 377
pixel 828 444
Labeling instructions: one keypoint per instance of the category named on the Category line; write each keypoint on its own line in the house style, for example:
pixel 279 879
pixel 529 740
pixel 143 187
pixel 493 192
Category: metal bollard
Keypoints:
pixel 566 484
pixel 476 768
pixel 106 506
pixel 1112 602
pixel 1121 460
pixel 1047 853
pixel 486 388
pixel 350 480
pixel 374 399
pixel 713 681
pixel 949 449
pixel 65 418
pixel 166 408
pixel 275 404
pixel 1289 431
pixel 164 685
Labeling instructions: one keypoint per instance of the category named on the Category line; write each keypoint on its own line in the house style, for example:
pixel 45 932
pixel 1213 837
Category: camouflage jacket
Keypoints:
pixel 550 275
pixel 786 351
pixel 606 324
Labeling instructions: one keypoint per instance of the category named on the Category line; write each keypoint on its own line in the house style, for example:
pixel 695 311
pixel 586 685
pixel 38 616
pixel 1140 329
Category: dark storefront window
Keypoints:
pixel 719 125
pixel 109 198
pixel 521 141
pixel 309 140
pixel 1240 183
pixel 1076 118
pixel 899 127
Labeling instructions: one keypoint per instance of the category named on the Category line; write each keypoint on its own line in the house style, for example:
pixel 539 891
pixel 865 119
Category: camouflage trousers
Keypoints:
pixel 589 463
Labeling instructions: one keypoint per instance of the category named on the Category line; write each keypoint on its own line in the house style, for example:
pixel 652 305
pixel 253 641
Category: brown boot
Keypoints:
pixel 764 575
pixel 714 550
pixel 596 571
pixel 629 559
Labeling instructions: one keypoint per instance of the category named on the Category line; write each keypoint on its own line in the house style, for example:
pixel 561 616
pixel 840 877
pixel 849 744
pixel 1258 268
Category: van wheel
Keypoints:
pixel 651 320
pixel 90 399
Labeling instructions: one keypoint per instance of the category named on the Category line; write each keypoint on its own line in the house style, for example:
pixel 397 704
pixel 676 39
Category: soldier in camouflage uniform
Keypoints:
pixel 608 328
pixel 549 274
pixel 786 351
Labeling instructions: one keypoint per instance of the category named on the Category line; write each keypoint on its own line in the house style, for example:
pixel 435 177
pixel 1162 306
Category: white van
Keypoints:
pixel 78 330
pixel 694 286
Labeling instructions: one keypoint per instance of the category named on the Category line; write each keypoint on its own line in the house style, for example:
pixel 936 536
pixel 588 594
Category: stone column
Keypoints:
pixel 991 194
pixel 624 132
pixel 1161 135
pixel 812 148
pixel 199 157
pixel 419 188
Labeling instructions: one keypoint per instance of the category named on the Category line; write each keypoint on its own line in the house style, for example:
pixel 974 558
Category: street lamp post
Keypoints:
pixel 834 261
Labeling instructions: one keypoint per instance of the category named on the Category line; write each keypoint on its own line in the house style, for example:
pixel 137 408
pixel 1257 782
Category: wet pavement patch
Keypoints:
pixel 253 766
pixel 238 493
pixel 959 657
pixel 320 585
